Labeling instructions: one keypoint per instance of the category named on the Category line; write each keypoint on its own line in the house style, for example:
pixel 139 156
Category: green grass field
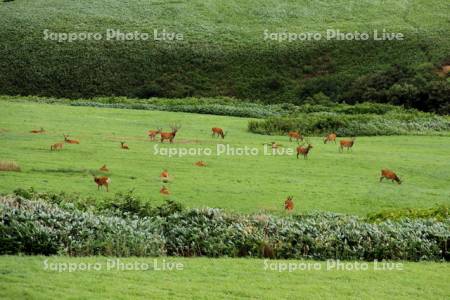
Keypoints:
pixel 327 181
pixel 26 277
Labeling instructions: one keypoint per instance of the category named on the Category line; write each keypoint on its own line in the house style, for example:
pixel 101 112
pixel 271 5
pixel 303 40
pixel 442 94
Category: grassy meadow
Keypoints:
pixel 327 181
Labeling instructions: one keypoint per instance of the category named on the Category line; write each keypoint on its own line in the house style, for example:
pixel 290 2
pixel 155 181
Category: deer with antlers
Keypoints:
pixel 38 131
pixel 289 203
pixel 102 181
pixel 68 141
pixel 153 133
pixel 390 175
pixel 301 150
pixel 346 144
pixel 217 131
pixel 170 135
pixel 57 146
pixel 295 135
pixel 330 138
pixel 124 146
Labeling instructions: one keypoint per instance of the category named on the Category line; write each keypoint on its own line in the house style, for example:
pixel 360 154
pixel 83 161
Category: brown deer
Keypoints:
pixel 57 146
pixel 330 138
pixel 390 175
pixel 346 144
pixel 216 131
pixel 68 141
pixel 38 131
pixel 153 133
pixel 170 135
pixel 304 150
pixel 289 203
pixel 124 146
pixel 102 181
pixel 200 163
pixel 295 135
pixel 164 176
pixel 164 191
pixel 104 168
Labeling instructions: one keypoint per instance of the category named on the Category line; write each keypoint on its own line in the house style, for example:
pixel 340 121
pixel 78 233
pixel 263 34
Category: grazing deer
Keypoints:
pixel 67 140
pixel 289 204
pixel 164 191
pixel 295 135
pixel 346 144
pixel 330 138
pixel 104 168
pixel 102 181
pixel 38 131
pixel 152 133
pixel 304 150
pixel 216 131
pixel 170 135
pixel 388 174
pixel 164 176
pixel 124 146
pixel 57 146
pixel 200 163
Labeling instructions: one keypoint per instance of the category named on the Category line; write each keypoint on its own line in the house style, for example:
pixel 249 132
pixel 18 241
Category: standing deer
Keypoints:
pixel 124 146
pixel 104 168
pixel 68 141
pixel 304 150
pixel 38 131
pixel 346 144
pixel 388 174
pixel 170 135
pixel 102 181
pixel 216 131
pixel 57 146
pixel 164 191
pixel 152 133
pixel 289 203
pixel 295 135
pixel 330 138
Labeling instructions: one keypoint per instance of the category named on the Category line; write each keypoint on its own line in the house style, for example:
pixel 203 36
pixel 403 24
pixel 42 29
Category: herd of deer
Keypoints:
pixel 219 132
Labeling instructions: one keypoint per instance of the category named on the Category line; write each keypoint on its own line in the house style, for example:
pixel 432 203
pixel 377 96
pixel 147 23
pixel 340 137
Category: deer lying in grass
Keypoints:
pixel 164 176
pixel 295 135
pixel 104 168
pixel 346 144
pixel 38 131
pixel 102 181
pixel 216 131
pixel 57 146
pixel 124 146
pixel 170 135
pixel 68 141
pixel 388 174
pixel 200 163
pixel 304 150
pixel 164 191
pixel 153 133
pixel 289 203
pixel 330 138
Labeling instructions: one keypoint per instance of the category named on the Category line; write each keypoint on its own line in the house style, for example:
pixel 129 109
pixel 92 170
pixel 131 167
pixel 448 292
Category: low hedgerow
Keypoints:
pixel 37 227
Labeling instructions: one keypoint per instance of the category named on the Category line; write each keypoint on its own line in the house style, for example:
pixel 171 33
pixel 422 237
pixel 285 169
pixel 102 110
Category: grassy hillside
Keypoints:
pixel 223 51
pixel 327 181
pixel 24 277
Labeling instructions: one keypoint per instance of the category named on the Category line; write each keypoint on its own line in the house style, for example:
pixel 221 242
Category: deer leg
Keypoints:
pixel 381 178
pixel 297 154
pixel 107 188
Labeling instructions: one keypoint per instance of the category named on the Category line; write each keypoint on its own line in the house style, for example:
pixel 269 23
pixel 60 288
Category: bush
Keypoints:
pixel 440 213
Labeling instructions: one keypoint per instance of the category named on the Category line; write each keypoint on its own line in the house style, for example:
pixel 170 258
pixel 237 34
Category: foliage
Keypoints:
pixel 440 213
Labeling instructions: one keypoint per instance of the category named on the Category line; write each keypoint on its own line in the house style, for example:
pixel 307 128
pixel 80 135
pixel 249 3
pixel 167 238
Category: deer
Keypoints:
pixel 152 133
pixel 390 175
pixel 346 144
pixel 170 135
pixel 289 203
pixel 57 146
pixel 38 131
pixel 124 146
pixel 200 163
pixel 295 135
pixel 330 138
pixel 164 191
pixel 102 181
pixel 68 141
pixel 164 176
pixel 304 151
pixel 104 168
pixel 216 131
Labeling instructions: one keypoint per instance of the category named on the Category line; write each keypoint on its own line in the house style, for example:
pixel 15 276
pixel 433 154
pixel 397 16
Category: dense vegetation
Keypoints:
pixel 224 53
